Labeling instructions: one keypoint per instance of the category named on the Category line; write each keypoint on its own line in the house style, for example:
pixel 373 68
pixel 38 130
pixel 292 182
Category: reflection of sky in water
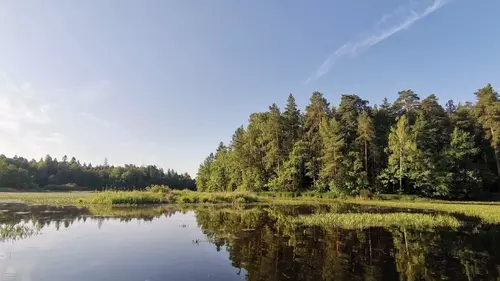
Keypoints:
pixel 160 243
pixel 137 250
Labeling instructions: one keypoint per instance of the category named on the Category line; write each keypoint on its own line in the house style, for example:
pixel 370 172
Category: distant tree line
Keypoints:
pixel 410 146
pixel 21 173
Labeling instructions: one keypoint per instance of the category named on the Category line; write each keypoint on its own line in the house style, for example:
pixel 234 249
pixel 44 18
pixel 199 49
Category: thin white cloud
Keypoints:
pixel 21 105
pixel 97 120
pixel 401 18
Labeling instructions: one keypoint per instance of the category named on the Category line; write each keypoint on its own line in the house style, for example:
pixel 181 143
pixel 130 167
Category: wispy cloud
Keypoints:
pixel 91 117
pixel 400 19
pixel 21 104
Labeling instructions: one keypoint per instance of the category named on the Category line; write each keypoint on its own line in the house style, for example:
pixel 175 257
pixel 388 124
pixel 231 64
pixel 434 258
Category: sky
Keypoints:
pixel 163 82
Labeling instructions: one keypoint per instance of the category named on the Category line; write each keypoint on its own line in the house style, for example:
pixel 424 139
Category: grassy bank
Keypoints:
pixel 484 212
pixel 487 212
pixel 127 197
pixel 352 221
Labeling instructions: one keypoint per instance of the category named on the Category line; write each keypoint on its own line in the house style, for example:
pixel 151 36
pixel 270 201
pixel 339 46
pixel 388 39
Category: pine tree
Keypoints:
pixel 317 109
pixel 400 149
pixel 366 135
pixel 219 176
pixel 331 153
pixel 291 173
pixel 292 124
pixel 488 114
pixel 204 173
pixel 348 112
pixel 407 103
pixel 462 177
pixel 274 141
pixel 433 126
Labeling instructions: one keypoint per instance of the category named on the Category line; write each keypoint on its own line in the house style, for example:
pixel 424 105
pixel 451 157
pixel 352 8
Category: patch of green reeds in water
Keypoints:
pixel 176 196
pixel 212 197
pixel 364 220
pixel 127 198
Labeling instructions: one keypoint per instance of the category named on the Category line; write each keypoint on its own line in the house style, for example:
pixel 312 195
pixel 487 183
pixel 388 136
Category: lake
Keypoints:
pixel 231 243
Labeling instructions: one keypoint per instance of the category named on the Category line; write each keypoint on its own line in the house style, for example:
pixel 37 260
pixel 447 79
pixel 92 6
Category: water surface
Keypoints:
pixel 231 243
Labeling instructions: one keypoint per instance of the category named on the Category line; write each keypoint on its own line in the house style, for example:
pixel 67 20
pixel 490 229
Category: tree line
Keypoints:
pixel 20 173
pixel 409 146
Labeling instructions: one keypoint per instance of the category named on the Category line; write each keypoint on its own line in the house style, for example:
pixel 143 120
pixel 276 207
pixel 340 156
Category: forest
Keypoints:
pixel 410 146
pixel 19 173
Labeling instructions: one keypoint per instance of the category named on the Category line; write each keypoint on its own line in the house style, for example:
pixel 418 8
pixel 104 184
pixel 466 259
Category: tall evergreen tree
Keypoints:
pixel 274 141
pixel 488 114
pixel 407 103
pixel 348 112
pixel 332 153
pixel 292 124
pixel 462 177
pixel 366 135
pixel 317 109
pixel 400 149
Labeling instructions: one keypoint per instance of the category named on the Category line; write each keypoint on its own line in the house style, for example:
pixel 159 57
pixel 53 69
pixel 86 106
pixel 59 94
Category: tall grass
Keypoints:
pixel 127 198
pixel 487 212
pixel 177 197
pixel 361 220
pixel 212 197
pixel 46 198
pixel 300 195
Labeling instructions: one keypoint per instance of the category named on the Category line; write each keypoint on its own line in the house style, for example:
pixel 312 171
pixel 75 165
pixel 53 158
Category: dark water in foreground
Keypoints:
pixel 230 243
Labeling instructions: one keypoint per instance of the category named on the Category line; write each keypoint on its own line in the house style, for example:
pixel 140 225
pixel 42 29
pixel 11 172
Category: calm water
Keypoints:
pixel 226 243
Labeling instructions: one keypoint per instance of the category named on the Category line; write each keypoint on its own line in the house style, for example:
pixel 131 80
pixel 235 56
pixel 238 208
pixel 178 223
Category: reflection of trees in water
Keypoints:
pixel 20 221
pixel 10 232
pixel 270 249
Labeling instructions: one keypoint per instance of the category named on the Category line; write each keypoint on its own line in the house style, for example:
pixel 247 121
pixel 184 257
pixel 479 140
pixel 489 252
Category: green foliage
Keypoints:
pixel 187 196
pixel 332 153
pixel 127 198
pixel 290 174
pixel 356 221
pixel 412 147
pixel 160 188
pixel 51 174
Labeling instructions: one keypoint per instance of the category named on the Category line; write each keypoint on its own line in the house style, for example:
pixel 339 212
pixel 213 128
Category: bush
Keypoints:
pixel 365 194
pixel 158 188
pixel 127 198
pixel 185 199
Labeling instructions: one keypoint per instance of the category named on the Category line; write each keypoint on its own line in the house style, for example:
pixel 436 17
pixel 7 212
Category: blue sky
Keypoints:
pixel 162 82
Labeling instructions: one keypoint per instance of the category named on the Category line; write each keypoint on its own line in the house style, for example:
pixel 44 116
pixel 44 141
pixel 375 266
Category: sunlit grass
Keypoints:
pixel 485 212
pixel 127 198
pixel 213 197
pixel 47 198
pixel 360 220
pixel 488 212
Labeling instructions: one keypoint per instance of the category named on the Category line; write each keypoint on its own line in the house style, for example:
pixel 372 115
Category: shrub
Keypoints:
pixel 127 198
pixel 365 194
pixel 158 188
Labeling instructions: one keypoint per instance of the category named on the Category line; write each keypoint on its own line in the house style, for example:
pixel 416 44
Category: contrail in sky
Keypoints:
pixel 401 18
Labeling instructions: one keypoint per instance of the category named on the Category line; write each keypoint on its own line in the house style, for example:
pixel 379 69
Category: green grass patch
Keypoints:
pixel 362 220
pixel 127 198
pixel 46 198
pixel 191 197
pixel 487 212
